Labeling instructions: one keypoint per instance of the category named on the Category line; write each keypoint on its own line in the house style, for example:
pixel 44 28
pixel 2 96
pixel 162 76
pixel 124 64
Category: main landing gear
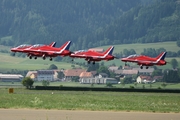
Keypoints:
pixel 142 67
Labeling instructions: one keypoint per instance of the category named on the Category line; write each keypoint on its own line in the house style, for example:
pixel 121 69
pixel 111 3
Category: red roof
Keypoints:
pixel 86 74
pixel 74 72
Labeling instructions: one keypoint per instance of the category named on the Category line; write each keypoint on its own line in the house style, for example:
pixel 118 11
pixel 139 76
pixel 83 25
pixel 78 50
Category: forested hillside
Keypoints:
pixel 88 23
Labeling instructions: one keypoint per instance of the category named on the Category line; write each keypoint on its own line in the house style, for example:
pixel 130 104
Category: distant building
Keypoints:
pixel 45 75
pixel 99 81
pixel 103 75
pixel 144 79
pixel 11 77
pixel 148 71
pixel 113 68
pixel 106 80
pixel 69 74
pixel 32 75
pixel 41 75
pixel 126 72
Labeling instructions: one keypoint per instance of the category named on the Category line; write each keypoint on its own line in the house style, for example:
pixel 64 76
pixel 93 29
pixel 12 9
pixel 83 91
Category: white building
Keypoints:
pixel 45 75
pixel 11 77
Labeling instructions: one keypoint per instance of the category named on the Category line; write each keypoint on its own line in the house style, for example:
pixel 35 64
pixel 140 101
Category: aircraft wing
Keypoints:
pixel 49 52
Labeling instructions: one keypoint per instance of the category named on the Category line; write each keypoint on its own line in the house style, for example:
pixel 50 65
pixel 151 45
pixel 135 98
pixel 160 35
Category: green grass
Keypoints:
pixel 87 100
pixel 139 47
pixel 8 63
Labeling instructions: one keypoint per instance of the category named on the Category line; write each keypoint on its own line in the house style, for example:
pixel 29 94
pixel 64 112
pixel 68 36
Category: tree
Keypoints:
pixel 171 76
pixel 109 85
pixel 75 79
pixel 28 82
pixel 127 80
pixel 60 75
pixel 103 69
pixel 53 67
pixel 174 63
pixel 178 43
pixel 157 72
pixel 45 83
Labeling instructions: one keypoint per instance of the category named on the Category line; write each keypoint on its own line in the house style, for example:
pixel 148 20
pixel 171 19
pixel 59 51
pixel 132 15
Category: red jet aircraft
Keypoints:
pixel 146 60
pixel 44 51
pixel 20 48
pixel 93 56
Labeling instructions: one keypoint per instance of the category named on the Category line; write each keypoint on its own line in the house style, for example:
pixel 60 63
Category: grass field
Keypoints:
pixel 139 47
pixel 87 100
pixel 7 63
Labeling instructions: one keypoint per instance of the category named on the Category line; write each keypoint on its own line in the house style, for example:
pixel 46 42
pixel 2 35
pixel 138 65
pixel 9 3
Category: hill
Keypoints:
pixel 90 23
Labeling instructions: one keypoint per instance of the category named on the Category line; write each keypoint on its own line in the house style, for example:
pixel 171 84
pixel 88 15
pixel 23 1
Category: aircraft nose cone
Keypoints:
pixel 11 49
pixel 163 62
pixel 123 59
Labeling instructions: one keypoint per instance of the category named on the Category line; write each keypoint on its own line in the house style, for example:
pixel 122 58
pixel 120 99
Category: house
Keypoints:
pixel 11 77
pixel 69 74
pixel 144 79
pixel 86 77
pixel 148 71
pixel 106 80
pixel 40 75
pixel 32 75
pixel 102 75
pixel 113 68
pixel 99 81
pixel 126 67
pixel 126 72
pixel 45 75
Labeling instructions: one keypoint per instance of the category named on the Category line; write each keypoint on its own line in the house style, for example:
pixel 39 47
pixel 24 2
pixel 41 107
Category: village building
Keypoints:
pixel 11 77
pixel 32 75
pixel 101 78
pixel 144 79
pixel 126 72
pixel 69 74
pixel 102 75
pixel 41 75
pixel 86 77
pixel 113 68
pixel 45 75
pixel 106 80
pixel 148 71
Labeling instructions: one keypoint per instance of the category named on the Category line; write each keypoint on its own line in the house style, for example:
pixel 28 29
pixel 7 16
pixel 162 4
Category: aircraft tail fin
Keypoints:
pixel 53 44
pixel 109 51
pixel 161 56
pixel 66 45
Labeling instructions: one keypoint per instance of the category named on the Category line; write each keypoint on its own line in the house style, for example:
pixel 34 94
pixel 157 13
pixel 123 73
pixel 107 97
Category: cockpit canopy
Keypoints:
pixel 80 51
pixel 132 56
pixel 24 45
pixel 37 45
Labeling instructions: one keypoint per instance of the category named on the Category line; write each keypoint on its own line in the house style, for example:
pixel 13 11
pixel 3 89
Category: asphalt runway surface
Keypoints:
pixel 38 114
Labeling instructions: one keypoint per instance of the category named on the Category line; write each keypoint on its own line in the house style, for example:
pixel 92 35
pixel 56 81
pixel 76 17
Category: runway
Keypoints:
pixel 39 114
